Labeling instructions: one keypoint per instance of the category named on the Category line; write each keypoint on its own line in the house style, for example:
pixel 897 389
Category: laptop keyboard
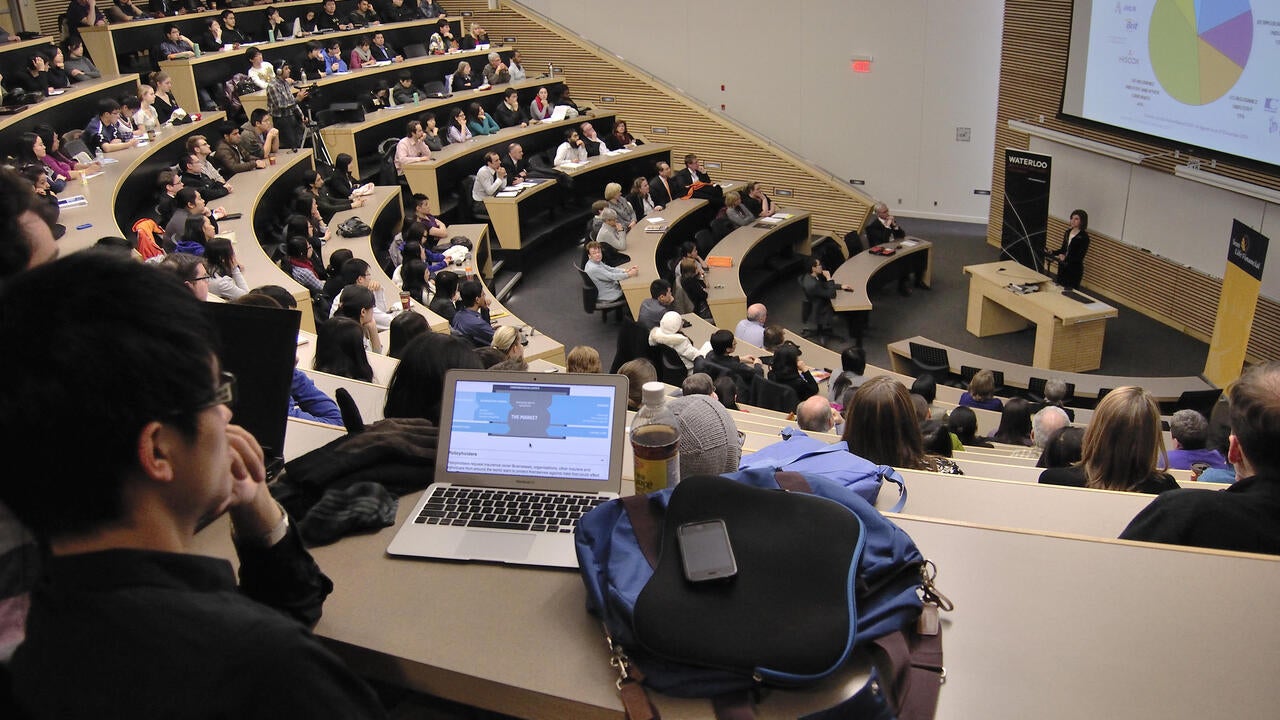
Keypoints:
pixel 527 510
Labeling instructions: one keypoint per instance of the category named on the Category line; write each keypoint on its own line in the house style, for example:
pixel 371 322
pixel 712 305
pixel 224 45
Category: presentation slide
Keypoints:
pixel 554 431
pixel 1201 72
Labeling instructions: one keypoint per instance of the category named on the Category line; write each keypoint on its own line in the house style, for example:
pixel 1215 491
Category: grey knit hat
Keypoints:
pixel 708 437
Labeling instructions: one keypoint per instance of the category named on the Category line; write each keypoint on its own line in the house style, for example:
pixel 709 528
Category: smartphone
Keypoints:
pixel 706 551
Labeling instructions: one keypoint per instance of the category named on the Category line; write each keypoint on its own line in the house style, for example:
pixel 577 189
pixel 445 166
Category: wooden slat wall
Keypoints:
pixel 1032 67
pixel 48 12
pixel 644 103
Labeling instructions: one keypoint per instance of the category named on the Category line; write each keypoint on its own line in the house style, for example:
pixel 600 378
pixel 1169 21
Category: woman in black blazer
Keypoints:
pixel 1070 257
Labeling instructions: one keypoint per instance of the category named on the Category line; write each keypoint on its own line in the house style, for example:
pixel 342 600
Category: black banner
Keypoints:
pixel 1248 249
pixel 1026 207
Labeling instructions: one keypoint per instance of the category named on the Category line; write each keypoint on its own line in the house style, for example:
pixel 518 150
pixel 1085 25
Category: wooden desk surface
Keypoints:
pixel 424 177
pixel 1044 626
pixel 1050 300
pixel 504 212
pixel 1165 389
pixel 254 100
pixel 724 285
pixel 103 191
pixel 858 270
pixel 72 109
pixel 390 122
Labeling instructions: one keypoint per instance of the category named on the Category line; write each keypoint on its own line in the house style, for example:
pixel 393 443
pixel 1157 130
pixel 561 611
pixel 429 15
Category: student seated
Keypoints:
pixel 1122 447
pixel 126 609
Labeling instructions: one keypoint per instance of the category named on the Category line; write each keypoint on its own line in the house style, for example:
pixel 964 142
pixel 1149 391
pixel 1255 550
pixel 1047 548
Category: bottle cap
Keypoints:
pixel 654 393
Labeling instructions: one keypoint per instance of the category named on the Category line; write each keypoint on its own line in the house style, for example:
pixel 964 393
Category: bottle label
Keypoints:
pixel 657 460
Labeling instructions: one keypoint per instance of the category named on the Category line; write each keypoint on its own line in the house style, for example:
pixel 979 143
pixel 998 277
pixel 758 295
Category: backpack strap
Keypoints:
pixel 915 669
pixel 645 526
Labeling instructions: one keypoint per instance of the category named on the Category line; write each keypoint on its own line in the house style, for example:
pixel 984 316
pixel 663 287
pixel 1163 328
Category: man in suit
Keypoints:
pixel 664 188
pixel 883 228
pixel 515 163
pixel 693 172
pixel 382 52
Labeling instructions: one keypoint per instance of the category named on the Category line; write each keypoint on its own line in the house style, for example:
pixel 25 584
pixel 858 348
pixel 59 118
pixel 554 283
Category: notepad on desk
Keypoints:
pixel 509 192
pixel 73 201
pixel 657 228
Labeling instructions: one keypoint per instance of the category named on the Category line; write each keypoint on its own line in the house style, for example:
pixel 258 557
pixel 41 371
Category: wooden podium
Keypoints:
pixel 1069 333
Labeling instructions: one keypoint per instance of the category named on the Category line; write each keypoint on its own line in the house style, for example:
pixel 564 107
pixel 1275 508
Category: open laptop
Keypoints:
pixel 548 446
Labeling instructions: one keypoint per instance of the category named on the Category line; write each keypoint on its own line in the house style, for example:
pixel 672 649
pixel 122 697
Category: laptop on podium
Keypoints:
pixel 521 456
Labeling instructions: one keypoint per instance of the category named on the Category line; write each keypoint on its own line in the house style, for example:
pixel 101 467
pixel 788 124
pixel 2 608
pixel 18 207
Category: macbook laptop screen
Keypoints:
pixel 515 428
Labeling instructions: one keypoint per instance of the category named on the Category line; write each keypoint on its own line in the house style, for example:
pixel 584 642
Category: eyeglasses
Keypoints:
pixel 223 394
pixel 202 277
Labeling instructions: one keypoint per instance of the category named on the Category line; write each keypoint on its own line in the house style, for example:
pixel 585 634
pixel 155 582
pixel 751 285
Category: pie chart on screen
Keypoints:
pixel 1199 48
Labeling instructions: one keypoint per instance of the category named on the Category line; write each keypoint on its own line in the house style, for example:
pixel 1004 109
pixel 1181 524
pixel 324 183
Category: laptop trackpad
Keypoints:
pixel 501 546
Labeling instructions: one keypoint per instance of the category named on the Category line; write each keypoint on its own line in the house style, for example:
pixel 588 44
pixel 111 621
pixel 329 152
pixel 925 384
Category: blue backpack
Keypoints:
pixel 800 453
pixel 820 574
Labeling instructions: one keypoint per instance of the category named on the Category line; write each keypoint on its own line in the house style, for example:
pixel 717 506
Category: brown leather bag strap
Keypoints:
pixel 635 701
pixel 792 481
pixel 915 672
pixel 644 525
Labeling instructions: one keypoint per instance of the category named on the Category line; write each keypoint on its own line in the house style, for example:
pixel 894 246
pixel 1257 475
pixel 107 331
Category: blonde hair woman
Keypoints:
pixel 1123 447
pixel 620 204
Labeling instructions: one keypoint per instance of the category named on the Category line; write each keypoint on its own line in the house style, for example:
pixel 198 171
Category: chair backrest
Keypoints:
pixel 387 169
pixel 772 395
pixel 930 359
pixel 413 50
pixel 589 291
pixel 671 369
pixel 806 305
pixel 702 365
pixel 1035 390
pixel 633 342
pixel 465 187
pixel 1202 401
pixel 704 240
pixel 435 88
pixel 968 371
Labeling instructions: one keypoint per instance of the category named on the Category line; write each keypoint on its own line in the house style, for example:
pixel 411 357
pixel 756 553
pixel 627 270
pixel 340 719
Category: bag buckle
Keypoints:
pixel 929 592
pixel 618 659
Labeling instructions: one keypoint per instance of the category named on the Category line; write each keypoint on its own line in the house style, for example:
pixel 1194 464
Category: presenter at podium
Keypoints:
pixel 1070 257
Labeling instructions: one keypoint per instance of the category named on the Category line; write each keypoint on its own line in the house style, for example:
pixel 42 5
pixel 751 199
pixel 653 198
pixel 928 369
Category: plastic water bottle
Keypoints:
pixel 415 97
pixel 304 76
pixel 654 438
pixel 271 34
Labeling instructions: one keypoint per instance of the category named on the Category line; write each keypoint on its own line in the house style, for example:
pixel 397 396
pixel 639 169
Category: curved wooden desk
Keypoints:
pixel 72 109
pixel 217 67
pixel 725 294
pixel 511 215
pixel 448 166
pixel 857 271
pixel 1087 385
pixel 349 85
pixel 103 191
pixel 648 250
pixel 390 123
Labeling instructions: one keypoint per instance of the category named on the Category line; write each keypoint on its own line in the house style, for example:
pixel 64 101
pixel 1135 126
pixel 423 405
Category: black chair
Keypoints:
pixel 1202 401
pixel 671 369
pixel 702 365
pixel 931 360
pixel 704 240
pixel 591 299
pixel 434 89
pixel 466 205
pixel 1035 390
pixel 633 342
pixel 772 395
pixel 415 50
pixel 968 371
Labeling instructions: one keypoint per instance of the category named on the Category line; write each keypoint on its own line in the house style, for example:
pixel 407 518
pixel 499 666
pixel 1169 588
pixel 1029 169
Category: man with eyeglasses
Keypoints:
pixel 128 621
pixel 103 131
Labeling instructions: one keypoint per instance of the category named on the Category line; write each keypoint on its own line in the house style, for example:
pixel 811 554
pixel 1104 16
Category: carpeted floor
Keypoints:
pixel 549 298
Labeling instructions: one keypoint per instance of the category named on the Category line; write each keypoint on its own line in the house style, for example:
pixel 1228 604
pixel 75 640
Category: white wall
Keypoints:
pixel 785 69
